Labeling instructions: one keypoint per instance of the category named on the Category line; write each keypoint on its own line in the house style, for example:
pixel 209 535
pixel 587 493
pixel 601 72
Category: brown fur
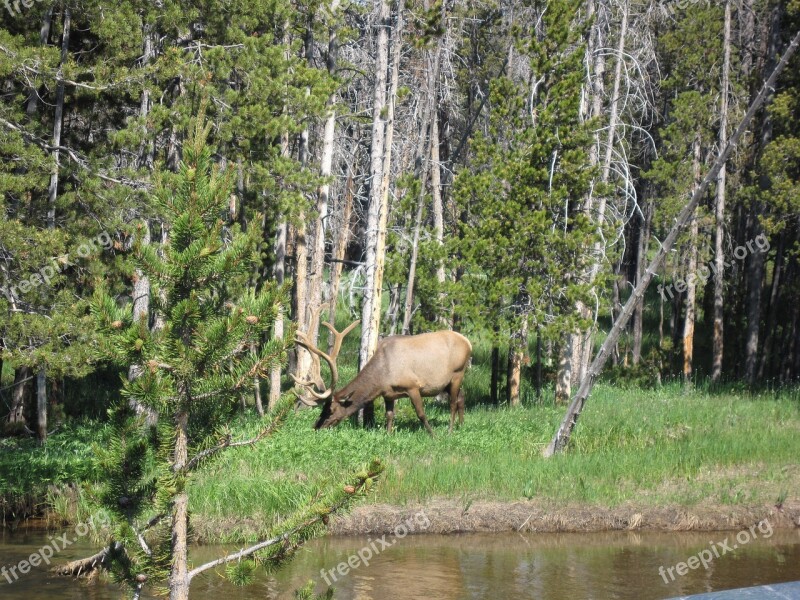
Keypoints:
pixel 403 366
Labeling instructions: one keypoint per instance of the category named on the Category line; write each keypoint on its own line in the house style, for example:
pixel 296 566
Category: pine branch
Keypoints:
pixel 79 160
pixel 280 415
pixel 361 486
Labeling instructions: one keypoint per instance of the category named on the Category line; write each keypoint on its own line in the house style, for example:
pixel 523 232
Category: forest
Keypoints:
pixel 186 187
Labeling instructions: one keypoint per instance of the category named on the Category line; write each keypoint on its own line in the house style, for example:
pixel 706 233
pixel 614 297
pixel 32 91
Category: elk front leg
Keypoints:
pixel 416 400
pixel 389 414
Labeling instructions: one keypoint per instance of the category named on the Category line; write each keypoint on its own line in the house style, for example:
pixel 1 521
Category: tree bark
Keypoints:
pixel 517 350
pixel 691 275
pixel 41 405
pixel 279 273
pixel 341 240
pixel 495 382
pixel 179 573
pixel 20 386
pixel 424 144
pixel 719 209
pixel 378 214
pixel 641 257
pixel 317 272
pixel 52 192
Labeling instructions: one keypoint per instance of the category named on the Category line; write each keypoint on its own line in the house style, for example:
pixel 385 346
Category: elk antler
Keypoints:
pixel 303 340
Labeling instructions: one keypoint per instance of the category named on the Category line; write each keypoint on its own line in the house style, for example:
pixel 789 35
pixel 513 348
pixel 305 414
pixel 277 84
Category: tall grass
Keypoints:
pixel 655 447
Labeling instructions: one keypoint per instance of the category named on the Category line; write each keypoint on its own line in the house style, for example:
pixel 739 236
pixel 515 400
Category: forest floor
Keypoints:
pixel 660 459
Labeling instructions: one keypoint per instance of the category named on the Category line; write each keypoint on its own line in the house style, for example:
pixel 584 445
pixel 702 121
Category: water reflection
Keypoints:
pixel 615 565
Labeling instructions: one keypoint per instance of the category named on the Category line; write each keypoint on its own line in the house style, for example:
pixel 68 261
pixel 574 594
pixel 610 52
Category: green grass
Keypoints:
pixel 28 472
pixel 650 448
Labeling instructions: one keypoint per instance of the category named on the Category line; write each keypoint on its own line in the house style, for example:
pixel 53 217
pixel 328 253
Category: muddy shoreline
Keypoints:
pixel 450 517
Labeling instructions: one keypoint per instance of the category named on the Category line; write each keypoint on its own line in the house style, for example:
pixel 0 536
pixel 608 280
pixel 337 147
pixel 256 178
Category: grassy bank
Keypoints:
pixel 654 448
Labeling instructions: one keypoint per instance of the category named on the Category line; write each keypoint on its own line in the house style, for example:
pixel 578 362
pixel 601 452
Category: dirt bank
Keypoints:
pixel 450 516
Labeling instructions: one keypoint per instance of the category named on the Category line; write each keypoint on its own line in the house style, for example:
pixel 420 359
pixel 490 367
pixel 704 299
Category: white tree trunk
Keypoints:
pixel 377 201
pixel 719 207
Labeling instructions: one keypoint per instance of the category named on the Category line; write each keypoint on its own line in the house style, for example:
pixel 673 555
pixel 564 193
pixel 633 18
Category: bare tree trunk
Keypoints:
pixel 495 382
pixel 141 312
pixel 44 35
pixel 279 273
pixel 41 405
pixel 564 373
pixel 691 276
pixel 424 144
pixel 772 310
pixel 408 308
pixel 641 257
pixel 719 209
pixel 179 573
pixel 436 191
pixel 378 214
pixel 517 350
pixel 52 192
pixel 369 329
pixel 17 412
pixel 317 273
pixel 755 262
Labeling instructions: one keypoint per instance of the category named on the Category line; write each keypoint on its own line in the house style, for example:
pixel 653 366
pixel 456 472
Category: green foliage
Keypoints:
pixel 526 240
pixel 208 349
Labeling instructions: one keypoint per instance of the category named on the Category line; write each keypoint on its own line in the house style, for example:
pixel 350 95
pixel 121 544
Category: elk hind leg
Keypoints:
pixel 416 400
pixel 389 414
pixel 456 402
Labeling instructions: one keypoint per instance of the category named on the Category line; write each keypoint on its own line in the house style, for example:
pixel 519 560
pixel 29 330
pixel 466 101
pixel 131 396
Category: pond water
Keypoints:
pixel 622 565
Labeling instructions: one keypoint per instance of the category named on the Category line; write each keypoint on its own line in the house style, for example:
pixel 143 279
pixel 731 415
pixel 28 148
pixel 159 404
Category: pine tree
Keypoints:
pixel 526 239
pixel 194 369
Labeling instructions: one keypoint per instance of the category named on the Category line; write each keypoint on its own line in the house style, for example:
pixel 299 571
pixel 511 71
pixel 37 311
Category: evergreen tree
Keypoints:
pixel 195 367
pixel 526 240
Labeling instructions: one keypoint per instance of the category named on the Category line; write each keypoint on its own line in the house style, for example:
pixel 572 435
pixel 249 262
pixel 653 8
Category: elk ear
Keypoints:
pixel 345 400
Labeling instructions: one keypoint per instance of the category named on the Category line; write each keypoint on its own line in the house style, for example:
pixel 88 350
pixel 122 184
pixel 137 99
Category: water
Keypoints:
pixel 616 565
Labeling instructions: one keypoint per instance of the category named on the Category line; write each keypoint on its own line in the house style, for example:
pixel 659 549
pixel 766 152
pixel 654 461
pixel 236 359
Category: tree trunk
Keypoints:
pixel 44 35
pixel 755 262
pixel 641 258
pixel 495 384
pixel 279 273
pixel 41 405
pixel 317 273
pixel 17 412
pixel 691 276
pixel 772 310
pixel 719 209
pixel 52 192
pixel 564 373
pixel 179 573
pixel 422 168
pixel 517 350
pixel 378 214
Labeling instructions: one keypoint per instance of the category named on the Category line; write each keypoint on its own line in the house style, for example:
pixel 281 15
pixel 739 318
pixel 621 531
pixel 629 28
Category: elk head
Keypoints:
pixel 315 381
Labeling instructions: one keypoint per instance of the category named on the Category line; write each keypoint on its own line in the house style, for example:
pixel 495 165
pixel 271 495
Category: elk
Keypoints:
pixel 413 366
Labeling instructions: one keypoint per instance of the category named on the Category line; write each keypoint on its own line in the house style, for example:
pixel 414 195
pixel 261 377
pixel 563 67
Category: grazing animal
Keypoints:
pixel 412 366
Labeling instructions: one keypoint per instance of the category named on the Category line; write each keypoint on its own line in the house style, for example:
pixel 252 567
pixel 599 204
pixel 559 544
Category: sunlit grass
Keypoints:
pixel 657 447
